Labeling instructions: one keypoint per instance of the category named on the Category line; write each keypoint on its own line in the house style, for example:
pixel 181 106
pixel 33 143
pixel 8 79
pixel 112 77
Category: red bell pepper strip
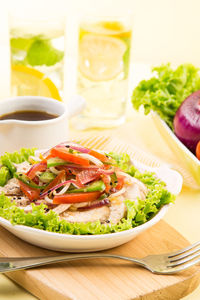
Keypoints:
pixel 36 168
pixel 64 154
pixel 76 198
pixel 31 193
pixel 100 156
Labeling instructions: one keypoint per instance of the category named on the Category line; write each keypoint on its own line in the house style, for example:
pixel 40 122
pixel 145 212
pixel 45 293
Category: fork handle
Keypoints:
pixel 8 264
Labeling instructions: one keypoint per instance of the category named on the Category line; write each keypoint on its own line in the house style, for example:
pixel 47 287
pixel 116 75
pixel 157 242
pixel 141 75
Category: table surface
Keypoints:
pixel 183 215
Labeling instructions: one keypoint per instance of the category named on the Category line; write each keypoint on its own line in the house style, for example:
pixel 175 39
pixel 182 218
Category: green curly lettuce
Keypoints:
pixel 4 175
pixel 136 214
pixel 8 160
pixel 165 92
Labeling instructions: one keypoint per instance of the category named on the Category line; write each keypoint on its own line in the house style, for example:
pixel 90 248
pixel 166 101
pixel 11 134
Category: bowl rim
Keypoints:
pixel 174 137
pixel 147 224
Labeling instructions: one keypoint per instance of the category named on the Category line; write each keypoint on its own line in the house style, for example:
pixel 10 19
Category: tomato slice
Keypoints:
pixel 64 154
pixel 87 176
pixel 36 168
pixel 55 181
pixel 31 193
pixel 76 198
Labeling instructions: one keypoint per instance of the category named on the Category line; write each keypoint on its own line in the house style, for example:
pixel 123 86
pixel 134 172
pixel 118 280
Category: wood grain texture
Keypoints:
pixel 105 279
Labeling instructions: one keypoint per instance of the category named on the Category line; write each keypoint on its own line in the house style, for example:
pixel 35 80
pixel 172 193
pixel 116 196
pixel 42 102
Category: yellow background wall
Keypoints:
pixel 164 30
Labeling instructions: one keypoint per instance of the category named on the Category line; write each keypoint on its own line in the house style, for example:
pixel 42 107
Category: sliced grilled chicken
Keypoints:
pixel 135 191
pixel 117 209
pixel 11 188
pixel 96 214
pixel 61 208
pixel 21 201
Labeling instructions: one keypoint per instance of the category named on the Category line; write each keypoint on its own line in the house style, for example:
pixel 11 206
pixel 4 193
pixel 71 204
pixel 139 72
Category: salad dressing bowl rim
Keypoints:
pixel 38 122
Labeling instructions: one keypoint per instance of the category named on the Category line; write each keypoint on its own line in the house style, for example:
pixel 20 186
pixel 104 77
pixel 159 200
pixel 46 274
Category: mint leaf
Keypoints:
pixel 42 52
pixel 22 44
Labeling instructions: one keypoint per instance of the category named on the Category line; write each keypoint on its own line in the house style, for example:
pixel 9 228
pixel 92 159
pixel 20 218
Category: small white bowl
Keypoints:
pixel 90 243
pixel 15 134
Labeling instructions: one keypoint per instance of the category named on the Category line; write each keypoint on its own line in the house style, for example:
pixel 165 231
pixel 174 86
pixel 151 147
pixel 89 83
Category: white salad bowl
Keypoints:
pixel 89 243
pixel 189 165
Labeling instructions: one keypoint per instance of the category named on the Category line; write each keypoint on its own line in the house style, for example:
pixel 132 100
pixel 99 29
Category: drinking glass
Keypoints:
pixel 37 55
pixel 104 48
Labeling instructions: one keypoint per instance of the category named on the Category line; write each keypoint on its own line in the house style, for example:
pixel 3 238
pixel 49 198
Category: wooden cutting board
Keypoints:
pixel 105 279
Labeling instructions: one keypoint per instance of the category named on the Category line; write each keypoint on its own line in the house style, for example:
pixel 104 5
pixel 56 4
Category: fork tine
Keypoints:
pixel 184 260
pixel 184 254
pixel 174 269
pixel 184 250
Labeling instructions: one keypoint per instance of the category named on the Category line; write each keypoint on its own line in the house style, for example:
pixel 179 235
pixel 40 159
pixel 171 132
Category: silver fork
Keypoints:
pixel 168 263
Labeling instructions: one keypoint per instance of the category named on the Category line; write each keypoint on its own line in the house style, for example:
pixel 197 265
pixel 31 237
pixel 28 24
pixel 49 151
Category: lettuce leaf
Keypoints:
pixel 4 175
pixel 7 161
pixel 165 92
pixel 136 214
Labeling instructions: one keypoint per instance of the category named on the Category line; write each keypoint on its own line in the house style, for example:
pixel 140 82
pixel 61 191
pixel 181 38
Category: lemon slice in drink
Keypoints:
pixel 28 81
pixel 101 57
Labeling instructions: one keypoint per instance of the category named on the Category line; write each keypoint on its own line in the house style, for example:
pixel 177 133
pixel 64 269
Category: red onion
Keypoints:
pixel 96 204
pixel 59 185
pixel 35 166
pixel 187 121
pixel 80 148
pixel 74 146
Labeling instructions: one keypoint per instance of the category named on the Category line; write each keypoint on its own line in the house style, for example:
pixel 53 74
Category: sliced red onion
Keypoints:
pixel 74 182
pixel 74 146
pixel 80 149
pixel 96 204
pixel 34 167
